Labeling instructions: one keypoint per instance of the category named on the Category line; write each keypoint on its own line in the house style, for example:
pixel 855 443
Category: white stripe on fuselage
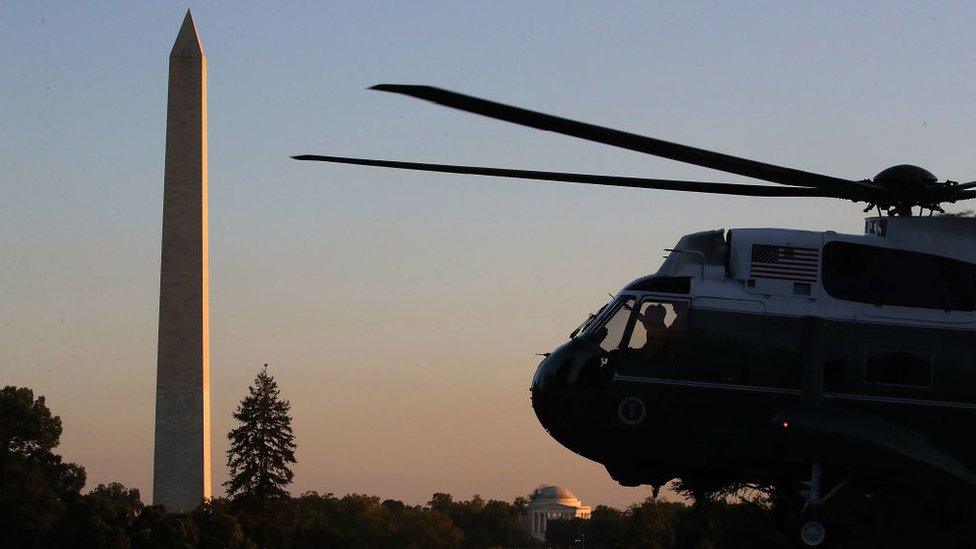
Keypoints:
pixel 794 392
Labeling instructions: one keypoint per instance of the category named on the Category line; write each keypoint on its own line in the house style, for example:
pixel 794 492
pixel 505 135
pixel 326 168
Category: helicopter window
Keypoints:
pixel 890 367
pixel 883 276
pixel 615 327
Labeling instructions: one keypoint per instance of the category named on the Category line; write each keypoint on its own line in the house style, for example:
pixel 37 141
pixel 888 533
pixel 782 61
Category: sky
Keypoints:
pixel 401 312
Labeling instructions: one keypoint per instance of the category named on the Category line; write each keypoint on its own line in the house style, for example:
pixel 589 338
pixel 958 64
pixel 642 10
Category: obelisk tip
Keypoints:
pixel 188 42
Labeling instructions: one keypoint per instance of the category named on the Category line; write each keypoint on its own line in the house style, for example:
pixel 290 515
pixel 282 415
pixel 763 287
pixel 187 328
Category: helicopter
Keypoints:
pixel 809 361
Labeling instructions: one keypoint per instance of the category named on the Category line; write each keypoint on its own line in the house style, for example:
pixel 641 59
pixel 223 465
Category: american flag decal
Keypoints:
pixel 785 262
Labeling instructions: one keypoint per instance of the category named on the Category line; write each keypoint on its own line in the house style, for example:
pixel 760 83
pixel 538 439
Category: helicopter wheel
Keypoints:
pixel 812 531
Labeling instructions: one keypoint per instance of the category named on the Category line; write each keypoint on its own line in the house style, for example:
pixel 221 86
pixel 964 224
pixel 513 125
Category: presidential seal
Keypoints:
pixel 632 410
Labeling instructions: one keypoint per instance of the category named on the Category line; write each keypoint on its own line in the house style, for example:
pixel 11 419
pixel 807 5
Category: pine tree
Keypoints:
pixel 262 448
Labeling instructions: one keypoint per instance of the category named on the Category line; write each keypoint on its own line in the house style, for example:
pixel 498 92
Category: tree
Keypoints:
pixel 217 528
pixel 262 448
pixel 28 427
pixel 102 518
pixel 650 523
pixel 484 524
pixel 125 502
pixel 157 529
pixel 36 486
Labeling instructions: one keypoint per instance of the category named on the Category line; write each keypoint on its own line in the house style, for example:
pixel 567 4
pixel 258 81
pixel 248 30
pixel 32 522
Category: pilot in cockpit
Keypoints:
pixel 653 321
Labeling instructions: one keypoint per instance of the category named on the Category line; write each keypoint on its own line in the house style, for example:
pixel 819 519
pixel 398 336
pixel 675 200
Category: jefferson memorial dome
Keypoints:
pixel 552 503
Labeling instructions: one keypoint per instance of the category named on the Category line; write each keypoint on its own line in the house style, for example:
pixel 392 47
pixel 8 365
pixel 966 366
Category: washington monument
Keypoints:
pixel 181 468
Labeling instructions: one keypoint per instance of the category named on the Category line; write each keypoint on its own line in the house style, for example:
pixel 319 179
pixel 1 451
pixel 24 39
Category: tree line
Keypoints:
pixel 43 504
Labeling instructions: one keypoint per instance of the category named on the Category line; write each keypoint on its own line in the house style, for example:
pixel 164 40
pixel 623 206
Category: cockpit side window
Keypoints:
pixel 657 321
pixel 649 327
pixel 654 343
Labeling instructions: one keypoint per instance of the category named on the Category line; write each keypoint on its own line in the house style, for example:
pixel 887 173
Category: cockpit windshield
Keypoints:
pixel 610 331
pixel 586 323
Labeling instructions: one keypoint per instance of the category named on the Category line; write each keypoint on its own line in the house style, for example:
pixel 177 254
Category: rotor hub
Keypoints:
pixel 905 177
pixel 906 186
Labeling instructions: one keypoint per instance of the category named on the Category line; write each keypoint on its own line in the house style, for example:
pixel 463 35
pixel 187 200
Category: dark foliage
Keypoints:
pixel 28 428
pixel 485 524
pixel 216 527
pixel 262 447
pixel 157 529
pixel 36 486
pixel 651 523
pixel 102 518
pixel 364 521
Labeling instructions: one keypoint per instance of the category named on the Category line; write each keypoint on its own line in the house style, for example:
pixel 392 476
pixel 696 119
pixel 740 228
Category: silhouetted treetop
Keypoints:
pixel 262 447
pixel 28 426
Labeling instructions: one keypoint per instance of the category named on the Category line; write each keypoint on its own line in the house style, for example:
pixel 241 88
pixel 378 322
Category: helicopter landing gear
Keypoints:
pixel 814 488
pixel 812 530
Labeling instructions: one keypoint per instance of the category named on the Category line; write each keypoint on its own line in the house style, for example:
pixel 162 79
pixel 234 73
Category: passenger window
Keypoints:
pixel 891 367
pixel 884 276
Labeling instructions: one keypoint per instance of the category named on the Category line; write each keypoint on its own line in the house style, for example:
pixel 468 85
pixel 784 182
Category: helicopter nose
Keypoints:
pixel 566 390
pixel 574 365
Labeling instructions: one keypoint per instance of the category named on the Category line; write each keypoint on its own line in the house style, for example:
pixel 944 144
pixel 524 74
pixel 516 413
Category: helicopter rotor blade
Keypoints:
pixel 594 179
pixel 963 195
pixel 960 187
pixel 948 191
pixel 626 140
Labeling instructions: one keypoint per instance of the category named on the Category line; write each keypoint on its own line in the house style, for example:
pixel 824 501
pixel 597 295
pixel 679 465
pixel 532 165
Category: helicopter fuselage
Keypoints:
pixel 753 353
